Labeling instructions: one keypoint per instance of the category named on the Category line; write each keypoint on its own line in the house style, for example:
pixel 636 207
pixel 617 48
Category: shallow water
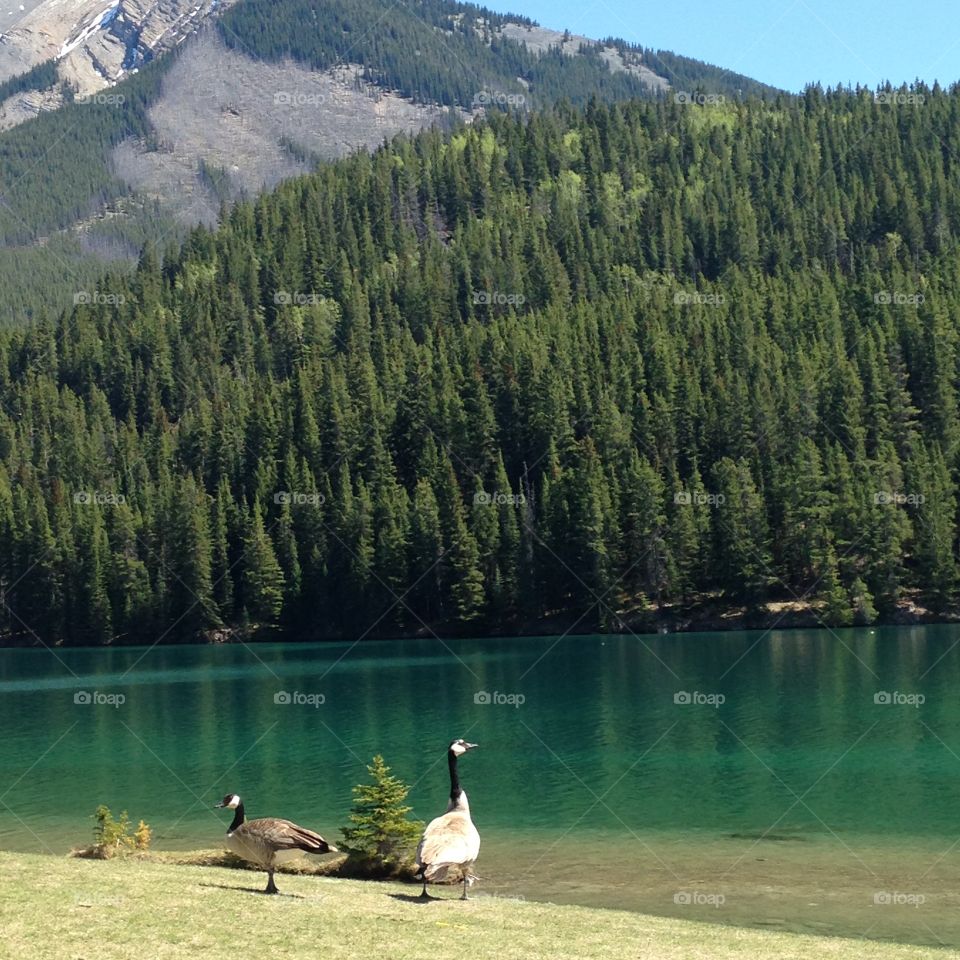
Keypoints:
pixel 780 794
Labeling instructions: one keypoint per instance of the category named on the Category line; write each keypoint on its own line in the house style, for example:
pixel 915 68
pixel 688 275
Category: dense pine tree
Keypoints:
pixel 570 369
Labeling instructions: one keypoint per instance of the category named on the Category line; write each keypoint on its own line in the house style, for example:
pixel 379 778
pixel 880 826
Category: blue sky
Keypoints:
pixel 788 43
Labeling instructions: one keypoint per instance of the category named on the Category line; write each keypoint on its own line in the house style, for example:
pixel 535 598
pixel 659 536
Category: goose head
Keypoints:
pixel 231 801
pixel 459 747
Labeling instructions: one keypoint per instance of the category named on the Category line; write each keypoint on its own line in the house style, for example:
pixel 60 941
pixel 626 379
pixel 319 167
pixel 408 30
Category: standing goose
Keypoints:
pixel 269 842
pixel 451 840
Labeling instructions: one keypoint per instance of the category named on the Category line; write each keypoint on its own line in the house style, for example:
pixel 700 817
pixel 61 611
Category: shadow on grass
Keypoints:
pixel 260 890
pixel 419 898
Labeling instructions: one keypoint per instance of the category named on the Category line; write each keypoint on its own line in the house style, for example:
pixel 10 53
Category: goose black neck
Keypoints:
pixel 455 790
pixel 237 819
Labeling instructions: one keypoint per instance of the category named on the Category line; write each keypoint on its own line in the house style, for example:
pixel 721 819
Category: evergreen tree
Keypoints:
pixel 262 576
pixel 380 837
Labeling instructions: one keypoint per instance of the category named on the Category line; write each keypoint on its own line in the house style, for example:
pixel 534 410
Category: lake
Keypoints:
pixel 804 780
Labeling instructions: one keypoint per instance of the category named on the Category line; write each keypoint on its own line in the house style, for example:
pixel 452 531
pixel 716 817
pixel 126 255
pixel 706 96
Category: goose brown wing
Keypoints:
pixel 451 838
pixel 284 835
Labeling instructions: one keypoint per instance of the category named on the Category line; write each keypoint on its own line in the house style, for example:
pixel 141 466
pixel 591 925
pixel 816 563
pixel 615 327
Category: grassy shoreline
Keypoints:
pixel 63 908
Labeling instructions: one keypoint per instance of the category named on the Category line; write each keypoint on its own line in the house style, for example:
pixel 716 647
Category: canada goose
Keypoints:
pixel 269 842
pixel 451 840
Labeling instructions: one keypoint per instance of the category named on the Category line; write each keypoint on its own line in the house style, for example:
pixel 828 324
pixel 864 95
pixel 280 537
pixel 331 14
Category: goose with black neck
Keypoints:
pixel 451 841
pixel 269 842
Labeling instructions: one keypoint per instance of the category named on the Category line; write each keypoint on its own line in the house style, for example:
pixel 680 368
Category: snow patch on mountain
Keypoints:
pixel 98 23
pixel 95 45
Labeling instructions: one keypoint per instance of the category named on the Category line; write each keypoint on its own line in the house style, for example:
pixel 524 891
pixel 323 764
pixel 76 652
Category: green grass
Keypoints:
pixel 68 908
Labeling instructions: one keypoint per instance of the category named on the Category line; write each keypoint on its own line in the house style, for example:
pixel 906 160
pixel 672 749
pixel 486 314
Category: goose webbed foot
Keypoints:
pixel 271 886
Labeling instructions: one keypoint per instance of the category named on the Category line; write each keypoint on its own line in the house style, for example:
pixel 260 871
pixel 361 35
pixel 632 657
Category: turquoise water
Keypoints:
pixel 783 787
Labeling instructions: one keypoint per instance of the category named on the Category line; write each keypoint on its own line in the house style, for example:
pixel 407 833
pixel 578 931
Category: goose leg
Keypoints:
pixel 466 883
pixel 271 886
pixel 423 893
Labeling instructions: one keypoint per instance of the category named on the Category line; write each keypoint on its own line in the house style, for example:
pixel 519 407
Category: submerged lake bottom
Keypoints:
pixel 906 892
pixel 796 780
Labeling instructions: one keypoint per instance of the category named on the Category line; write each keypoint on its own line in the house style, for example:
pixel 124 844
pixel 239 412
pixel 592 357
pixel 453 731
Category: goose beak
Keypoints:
pixel 218 806
pixel 471 746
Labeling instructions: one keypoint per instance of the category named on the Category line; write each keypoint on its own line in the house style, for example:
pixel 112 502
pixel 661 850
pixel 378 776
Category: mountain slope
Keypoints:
pixel 453 53
pixel 252 99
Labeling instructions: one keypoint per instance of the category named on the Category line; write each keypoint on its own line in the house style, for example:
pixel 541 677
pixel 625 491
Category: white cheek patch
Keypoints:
pixel 459 749
pixel 234 802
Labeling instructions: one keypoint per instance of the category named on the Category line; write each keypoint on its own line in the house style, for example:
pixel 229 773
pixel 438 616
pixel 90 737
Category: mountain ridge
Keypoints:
pixel 99 164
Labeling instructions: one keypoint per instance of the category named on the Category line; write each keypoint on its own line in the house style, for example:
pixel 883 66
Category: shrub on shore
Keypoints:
pixel 113 837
